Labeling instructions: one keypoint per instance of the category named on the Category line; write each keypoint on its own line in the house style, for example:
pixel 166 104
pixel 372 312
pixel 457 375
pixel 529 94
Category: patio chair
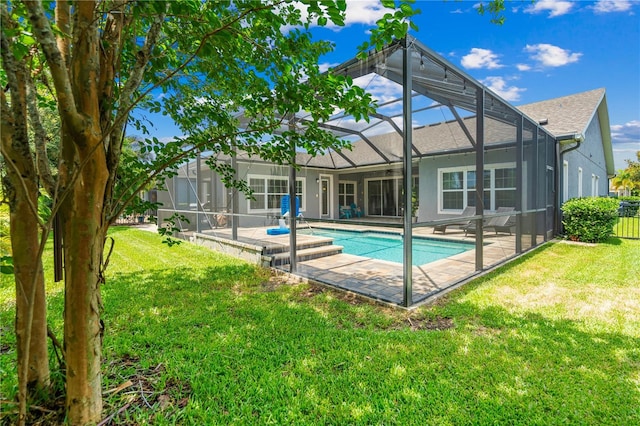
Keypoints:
pixel 355 210
pixel 285 206
pixel 497 223
pixel 468 211
pixel 345 212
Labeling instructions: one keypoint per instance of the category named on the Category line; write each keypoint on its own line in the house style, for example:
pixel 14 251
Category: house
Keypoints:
pixel 531 159
pixel 443 174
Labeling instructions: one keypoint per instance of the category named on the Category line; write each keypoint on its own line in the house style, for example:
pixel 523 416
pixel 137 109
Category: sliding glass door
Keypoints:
pixel 384 197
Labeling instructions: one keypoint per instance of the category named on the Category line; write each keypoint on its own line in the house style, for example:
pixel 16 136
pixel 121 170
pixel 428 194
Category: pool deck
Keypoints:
pixel 380 279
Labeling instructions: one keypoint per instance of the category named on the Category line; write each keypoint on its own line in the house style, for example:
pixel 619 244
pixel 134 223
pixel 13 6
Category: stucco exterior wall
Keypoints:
pixel 310 203
pixel 590 158
pixel 429 167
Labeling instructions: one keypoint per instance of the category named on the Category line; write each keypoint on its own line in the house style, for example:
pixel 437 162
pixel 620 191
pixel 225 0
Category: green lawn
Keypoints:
pixel 552 338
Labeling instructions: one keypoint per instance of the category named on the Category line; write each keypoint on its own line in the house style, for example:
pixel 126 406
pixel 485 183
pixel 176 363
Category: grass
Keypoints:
pixel 552 338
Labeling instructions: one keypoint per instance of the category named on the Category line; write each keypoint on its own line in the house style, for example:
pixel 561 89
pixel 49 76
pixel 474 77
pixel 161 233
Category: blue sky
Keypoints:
pixel 544 50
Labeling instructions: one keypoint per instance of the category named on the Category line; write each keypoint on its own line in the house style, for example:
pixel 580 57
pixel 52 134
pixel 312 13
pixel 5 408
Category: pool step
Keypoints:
pixel 281 247
pixel 279 259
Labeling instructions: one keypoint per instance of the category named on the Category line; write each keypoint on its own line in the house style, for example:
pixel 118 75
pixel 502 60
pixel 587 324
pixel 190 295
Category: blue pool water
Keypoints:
pixel 389 246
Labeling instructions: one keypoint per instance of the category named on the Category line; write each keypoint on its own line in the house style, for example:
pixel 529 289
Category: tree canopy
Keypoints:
pixel 82 68
pixel 93 62
pixel 628 179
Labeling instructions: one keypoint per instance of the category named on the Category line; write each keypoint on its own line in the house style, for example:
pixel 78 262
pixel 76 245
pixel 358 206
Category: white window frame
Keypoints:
pixel 303 196
pixel 579 182
pixel 465 190
pixel 593 185
pixel 395 179
pixel 330 200
pixel 342 195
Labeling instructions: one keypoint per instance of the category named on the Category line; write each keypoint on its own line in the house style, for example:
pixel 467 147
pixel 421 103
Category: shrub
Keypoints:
pixel 629 206
pixel 590 219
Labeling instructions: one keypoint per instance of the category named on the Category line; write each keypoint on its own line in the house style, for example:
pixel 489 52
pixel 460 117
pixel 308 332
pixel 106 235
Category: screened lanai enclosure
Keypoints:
pixel 446 180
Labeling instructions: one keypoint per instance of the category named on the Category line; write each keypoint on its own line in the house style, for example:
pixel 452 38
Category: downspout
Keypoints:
pixel 578 138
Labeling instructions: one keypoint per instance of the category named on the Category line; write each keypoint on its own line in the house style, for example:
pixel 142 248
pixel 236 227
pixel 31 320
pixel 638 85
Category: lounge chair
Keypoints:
pixel 355 210
pixel 497 223
pixel 285 206
pixel 345 212
pixel 468 211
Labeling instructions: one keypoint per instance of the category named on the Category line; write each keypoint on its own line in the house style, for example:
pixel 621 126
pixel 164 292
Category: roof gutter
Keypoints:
pixel 564 140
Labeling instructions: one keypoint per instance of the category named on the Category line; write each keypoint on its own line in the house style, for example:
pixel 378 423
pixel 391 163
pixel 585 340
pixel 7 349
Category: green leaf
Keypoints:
pixel 19 50
pixel 404 7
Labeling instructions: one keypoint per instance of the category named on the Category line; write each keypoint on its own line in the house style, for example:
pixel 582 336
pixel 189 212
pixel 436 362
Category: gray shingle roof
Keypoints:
pixel 568 114
pixel 564 115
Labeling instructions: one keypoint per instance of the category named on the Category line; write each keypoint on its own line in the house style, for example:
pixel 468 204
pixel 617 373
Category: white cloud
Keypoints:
pixel 167 139
pixel 326 66
pixel 364 12
pixel 608 6
pixel 625 139
pixel 523 67
pixel 628 132
pixel 382 89
pixel 481 58
pixel 555 7
pixel 457 11
pixel 500 86
pixel 549 55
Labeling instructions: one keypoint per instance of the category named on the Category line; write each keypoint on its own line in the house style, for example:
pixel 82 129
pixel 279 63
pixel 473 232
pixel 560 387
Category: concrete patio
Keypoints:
pixel 374 278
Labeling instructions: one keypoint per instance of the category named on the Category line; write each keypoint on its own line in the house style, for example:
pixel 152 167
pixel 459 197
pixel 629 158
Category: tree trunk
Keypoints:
pixel 83 234
pixel 29 273
pixel 22 194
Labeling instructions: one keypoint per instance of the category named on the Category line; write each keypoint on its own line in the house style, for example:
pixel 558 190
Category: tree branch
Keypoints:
pixel 62 21
pixel 134 190
pixel 110 49
pixel 142 59
pixel 15 145
pixel 40 138
pixel 56 61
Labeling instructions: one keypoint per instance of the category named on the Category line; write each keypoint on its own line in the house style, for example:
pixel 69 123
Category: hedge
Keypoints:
pixel 590 219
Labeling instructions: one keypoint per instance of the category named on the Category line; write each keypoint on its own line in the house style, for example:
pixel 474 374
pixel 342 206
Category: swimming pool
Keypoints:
pixel 389 246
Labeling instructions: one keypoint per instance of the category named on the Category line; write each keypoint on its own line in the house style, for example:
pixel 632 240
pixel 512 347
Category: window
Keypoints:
pixel 457 187
pixel 453 184
pixel 185 193
pixel 579 182
pixel 268 191
pixel 504 187
pixel 471 188
pixel 593 185
pixel 346 193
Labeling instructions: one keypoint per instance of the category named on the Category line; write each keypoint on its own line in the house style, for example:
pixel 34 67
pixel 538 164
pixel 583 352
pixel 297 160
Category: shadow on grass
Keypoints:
pixel 271 356
pixel 613 241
